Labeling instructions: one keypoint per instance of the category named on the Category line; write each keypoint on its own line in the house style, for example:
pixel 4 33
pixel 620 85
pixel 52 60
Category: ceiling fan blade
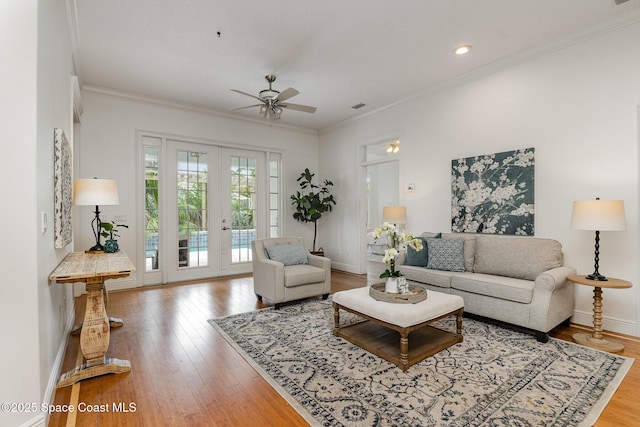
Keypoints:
pixel 248 106
pixel 298 107
pixel 245 93
pixel 286 94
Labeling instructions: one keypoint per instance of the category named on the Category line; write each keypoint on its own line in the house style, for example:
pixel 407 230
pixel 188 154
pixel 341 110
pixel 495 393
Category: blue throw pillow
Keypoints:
pixel 288 254
pixel 446 254
pixel 418 258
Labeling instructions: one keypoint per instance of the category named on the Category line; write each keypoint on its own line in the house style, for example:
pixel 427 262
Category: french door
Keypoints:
pixel 203 207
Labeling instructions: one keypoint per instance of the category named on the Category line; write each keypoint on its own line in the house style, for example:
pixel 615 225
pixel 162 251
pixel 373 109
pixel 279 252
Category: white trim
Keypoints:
pixel 610 324
pixel 96 90
pixel 56 370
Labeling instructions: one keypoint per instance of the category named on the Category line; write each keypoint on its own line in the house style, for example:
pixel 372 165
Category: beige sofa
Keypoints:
pixel 517 280
pixel 296 275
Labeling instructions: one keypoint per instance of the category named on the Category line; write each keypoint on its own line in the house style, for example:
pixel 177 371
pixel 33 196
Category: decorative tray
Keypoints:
pixel 415 295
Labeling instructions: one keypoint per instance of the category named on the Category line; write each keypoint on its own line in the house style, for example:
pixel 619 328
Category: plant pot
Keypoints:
pixel 391 285
pixel 111 246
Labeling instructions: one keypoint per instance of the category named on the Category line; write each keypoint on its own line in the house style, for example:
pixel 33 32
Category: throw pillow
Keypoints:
pixel 446 254
pixel 417 258
pixel 288 254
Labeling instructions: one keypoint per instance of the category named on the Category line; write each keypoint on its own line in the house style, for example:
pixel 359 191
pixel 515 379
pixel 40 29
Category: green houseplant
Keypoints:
pixel 311 201
pixel 109 231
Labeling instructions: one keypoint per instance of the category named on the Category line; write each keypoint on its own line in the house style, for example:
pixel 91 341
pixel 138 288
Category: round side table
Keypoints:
pixel 596 339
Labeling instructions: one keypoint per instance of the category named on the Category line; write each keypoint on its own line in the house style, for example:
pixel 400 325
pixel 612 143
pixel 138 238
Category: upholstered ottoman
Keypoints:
pixel 377 332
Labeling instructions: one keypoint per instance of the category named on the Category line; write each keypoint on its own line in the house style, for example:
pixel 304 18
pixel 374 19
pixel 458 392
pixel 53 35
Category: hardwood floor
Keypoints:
pixel 184 373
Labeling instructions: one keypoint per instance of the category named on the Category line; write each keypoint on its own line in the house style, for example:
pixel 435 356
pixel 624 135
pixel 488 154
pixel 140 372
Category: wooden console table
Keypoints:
pixel 93 269
pixel 596 339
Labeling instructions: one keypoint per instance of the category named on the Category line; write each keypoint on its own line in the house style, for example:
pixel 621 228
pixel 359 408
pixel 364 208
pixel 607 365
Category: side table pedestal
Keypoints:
pixel 596 339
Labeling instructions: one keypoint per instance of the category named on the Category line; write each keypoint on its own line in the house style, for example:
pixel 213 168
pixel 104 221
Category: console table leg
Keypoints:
pixel 94 340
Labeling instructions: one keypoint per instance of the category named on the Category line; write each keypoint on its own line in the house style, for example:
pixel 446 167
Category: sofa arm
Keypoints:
pixel 319 261
pixel 553 279
pixel 325 264
pixel 267 274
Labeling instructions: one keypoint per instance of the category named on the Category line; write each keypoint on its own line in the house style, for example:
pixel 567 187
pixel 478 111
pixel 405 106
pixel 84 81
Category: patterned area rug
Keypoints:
pixel 496 377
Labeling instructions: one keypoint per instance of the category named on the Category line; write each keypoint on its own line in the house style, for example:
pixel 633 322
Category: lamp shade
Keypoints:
pixel 394 214
pixel 94 192
pixel 599 215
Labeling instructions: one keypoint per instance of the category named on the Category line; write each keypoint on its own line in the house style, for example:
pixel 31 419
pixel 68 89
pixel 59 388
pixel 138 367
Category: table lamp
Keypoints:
pixel 95 192
pixel 598 215
pixel 394 214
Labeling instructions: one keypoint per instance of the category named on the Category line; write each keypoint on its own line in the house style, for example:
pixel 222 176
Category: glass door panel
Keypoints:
pixel 243 198
pixel 193 209
pixel 190 212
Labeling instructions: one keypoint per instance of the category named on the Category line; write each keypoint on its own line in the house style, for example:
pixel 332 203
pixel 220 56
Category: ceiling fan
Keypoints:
pixel 272 102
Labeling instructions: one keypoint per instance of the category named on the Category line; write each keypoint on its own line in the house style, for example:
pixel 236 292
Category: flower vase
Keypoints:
pixel 111 246
pixel 391 285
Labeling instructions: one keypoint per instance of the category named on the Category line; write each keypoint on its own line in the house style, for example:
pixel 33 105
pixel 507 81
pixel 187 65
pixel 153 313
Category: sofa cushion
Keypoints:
pixel 445 254
pixel 469 247
pixel 288 253
pixel 519 257
pixel 302 274
pixel 417 258
pixel 506 288
pixel 439 278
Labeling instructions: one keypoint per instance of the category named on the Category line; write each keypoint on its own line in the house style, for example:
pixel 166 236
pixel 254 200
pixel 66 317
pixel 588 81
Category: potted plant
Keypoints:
pixel 109 231
pixel 397 241
pixel 311 201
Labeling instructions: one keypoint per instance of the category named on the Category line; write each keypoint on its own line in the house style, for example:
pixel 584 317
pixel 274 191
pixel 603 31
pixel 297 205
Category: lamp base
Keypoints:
pixel 597 276
pixel 97 249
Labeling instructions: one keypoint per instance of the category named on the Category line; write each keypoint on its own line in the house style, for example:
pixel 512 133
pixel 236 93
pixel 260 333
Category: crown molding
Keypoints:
pixel 610 25
pixel 128 96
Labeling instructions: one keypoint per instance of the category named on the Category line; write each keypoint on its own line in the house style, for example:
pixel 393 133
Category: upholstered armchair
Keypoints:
pixel 283 271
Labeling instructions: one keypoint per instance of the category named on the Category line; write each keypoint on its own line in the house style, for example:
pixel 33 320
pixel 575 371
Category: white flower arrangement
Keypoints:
pixel 397 241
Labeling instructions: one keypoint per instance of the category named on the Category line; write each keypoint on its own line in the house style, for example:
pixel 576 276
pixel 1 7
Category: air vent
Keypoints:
pixel 620 1
pixel 360 105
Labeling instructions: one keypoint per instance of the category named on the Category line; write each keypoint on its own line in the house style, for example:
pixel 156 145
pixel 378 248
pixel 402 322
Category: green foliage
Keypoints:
pixel 110 229
pixel 312 200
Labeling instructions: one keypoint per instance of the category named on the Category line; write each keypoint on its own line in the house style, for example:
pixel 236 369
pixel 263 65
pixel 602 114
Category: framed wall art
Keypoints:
pixel 494 193
pixel 63 189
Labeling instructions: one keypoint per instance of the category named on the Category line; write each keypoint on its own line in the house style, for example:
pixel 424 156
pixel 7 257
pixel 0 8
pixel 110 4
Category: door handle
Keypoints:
pixel 226 228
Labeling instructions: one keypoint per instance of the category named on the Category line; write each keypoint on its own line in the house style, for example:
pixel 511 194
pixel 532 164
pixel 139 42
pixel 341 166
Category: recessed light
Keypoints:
pixel 461 50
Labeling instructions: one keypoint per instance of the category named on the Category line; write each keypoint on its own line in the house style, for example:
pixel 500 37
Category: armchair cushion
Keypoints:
pixel 297 275
pixel 288 253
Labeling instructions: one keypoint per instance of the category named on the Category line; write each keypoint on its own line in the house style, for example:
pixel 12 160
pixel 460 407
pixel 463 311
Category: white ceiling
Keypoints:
pixel 337 53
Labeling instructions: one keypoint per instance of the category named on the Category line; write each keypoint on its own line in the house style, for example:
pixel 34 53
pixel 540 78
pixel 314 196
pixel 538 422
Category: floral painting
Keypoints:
pixel 494 193
pixel 63 189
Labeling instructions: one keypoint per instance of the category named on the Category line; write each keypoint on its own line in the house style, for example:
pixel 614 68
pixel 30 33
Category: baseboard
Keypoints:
pixel 56 370
pixel 345 267
pixel 39 421
pixel 608 323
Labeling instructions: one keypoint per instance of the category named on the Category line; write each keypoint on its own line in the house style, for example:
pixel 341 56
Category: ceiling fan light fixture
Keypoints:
pixel 393 147
pixel 273 102
pixel 461 50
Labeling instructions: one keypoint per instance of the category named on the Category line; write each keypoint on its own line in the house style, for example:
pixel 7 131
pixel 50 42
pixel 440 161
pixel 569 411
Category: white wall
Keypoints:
pixel 108 149
pixel 55 110
pixel 577 106
pixel 35 98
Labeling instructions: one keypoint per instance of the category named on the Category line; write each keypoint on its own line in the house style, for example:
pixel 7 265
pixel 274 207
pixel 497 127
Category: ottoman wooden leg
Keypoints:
pixel 336 318
pixel 404 349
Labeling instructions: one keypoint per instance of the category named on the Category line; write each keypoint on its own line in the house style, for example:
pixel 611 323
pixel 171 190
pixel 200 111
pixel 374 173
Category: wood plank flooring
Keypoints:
pixel 184 373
